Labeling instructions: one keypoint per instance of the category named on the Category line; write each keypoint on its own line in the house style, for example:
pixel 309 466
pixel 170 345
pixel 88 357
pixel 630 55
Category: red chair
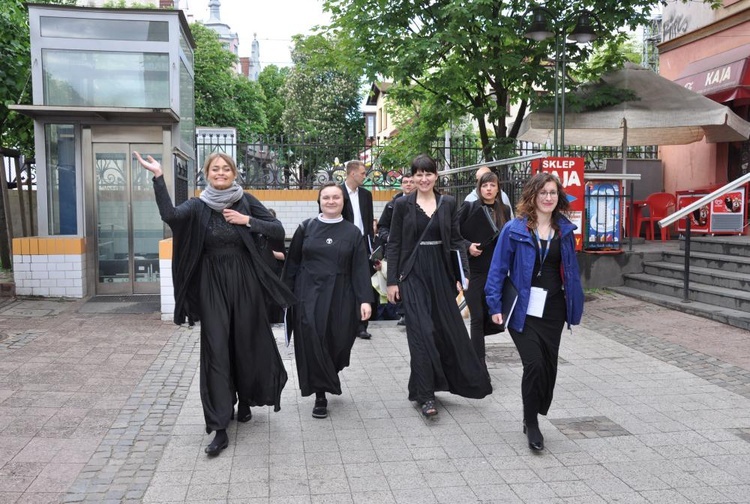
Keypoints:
pixel 658 205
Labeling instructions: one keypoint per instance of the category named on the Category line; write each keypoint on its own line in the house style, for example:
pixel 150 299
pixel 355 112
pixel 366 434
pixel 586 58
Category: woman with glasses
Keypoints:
pixel 536 252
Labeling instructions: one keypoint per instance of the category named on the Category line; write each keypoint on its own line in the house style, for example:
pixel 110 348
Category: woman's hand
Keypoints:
pixel 235 217
pixel 365 310
pixel 394 296
pixel 497 318
pixel 474 250
pixel 150 164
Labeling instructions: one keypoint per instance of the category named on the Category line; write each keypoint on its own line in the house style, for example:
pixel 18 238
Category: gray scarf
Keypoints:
pixel 219 199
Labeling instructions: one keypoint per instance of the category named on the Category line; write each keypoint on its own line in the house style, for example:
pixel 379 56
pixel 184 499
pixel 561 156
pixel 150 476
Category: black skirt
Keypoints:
pixel 442 357
pixel 239 357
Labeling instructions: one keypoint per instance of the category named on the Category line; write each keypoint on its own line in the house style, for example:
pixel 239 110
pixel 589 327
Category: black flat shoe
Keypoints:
pixel 364 335
pixel 243 412
pixel 220 442
pixel 534 435
pixel 320 410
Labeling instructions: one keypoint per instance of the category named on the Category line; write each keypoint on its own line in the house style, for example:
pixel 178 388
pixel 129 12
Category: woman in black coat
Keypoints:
pixel 221 279
pixel 481 221
pixel 424 231
pixel 327 269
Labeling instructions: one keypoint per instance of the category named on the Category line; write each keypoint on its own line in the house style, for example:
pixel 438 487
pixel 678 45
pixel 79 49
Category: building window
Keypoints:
pixel 104 29
pixel 60 147
pixel 370 125
pixel 105 79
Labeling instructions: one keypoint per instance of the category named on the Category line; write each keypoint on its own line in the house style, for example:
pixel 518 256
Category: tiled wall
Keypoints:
pixel 49 267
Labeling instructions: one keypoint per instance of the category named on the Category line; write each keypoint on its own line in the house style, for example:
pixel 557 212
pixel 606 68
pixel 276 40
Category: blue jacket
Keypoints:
pixel 516 251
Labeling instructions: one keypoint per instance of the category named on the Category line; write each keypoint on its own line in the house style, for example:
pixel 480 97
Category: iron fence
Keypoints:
pixel 305 163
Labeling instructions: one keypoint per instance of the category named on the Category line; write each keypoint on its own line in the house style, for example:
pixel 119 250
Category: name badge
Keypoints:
pixel 537 300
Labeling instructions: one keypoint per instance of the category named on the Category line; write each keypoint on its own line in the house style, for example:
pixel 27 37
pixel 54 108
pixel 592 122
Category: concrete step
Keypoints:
pixel 719 296
pixel 738 264
pixel 721 314
pixel 711 276
pixel 731 245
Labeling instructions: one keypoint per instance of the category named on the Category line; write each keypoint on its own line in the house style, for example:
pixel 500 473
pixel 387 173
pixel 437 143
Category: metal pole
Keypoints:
pixel 630 216
pixel 562 104
pixel 557 89
pixel 686 279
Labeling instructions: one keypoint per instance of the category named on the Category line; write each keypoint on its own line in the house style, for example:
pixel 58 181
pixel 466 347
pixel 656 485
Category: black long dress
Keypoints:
pixel 239 356
pixel 327 268
pixel 442 357
pixel 539 342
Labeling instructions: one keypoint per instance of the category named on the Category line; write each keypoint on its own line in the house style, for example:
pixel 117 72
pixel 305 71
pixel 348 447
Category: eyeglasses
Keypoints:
pixel 544 194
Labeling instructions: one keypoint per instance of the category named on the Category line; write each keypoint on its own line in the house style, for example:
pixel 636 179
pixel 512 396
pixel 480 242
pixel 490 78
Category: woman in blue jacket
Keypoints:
pixel 536 252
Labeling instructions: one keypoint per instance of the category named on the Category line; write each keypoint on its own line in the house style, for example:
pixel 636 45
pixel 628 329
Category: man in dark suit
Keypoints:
pixel 359 211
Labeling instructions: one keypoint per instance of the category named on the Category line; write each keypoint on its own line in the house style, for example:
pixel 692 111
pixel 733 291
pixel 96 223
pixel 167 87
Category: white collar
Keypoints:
pixel 330 221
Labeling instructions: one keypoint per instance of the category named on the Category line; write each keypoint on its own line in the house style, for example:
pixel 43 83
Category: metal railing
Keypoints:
pixel 684 212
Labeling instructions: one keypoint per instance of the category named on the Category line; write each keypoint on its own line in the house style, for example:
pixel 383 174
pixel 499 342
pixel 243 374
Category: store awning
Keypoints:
pixel 722 77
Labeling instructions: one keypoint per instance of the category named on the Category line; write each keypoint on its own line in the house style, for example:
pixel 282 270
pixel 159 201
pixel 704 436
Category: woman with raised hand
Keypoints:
pixel 327 269
pixel 424 232
pixel 536 252
pixel 221 280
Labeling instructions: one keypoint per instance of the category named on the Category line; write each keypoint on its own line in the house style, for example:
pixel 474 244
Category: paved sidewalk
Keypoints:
pixel 651 406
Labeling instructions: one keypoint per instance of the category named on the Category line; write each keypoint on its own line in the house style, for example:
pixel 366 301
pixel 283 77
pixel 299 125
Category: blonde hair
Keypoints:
pixel 226 157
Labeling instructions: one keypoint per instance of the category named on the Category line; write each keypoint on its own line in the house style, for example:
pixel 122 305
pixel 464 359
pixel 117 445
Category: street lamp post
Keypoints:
pixel 545 24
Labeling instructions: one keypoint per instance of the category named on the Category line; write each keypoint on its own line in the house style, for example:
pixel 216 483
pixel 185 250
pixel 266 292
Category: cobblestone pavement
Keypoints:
pixel 651 406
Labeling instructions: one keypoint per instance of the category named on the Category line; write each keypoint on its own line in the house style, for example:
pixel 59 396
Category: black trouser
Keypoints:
pixel 538 345
pixel 477 303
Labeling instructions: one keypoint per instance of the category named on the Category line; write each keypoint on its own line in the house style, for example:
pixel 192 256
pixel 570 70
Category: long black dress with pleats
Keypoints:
pixel 442 357
pixel 327 268
pixel 239 356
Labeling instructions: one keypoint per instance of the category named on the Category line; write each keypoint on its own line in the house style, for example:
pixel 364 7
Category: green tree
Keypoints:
pixel 16 130
pixel 272 79
pixel 322 91
pixel 224 98
pixel 471 58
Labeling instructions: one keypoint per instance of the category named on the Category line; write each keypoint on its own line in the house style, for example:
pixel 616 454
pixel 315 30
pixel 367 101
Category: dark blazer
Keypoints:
pixel 384 223
pixel 365 209
pixel 403 238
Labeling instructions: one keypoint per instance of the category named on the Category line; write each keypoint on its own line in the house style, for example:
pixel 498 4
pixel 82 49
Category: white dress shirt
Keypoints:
pixel 354 198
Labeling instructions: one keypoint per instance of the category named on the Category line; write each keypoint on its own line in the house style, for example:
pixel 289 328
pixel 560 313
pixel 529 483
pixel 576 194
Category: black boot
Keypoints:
pixel 221 441
pixel 534 435
pixel 243 412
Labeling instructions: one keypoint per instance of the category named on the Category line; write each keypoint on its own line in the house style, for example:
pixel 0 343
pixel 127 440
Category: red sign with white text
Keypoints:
pixel 570 172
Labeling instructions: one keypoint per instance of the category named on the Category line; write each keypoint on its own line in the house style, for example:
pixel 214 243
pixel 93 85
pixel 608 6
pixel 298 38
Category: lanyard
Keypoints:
pixel 543 251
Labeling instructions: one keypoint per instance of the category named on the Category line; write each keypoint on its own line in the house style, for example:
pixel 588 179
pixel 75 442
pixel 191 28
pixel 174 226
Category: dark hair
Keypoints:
pixel 423 163
pixel 328 184
pixel 527 205
pixel 498 207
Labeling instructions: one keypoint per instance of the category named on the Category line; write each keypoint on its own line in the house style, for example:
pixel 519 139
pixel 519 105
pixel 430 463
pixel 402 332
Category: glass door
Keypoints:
pixel 128 223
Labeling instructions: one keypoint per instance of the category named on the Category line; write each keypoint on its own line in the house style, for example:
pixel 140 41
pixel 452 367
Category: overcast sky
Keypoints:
pixel 275 22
